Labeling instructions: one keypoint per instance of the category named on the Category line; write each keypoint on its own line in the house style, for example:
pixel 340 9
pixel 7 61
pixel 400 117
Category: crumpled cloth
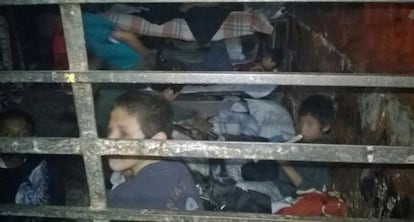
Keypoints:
pixel 316 204
pixel 34 191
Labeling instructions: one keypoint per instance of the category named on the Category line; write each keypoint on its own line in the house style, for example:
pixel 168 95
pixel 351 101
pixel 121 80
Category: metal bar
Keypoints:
pixel 157 215
pixel 75 46
pixel 95 178
pixel 73 30
pixel 85 110
pixel 248 150
pixel 33 2
pixel 213 149
pixel 280 78
pixel 40 145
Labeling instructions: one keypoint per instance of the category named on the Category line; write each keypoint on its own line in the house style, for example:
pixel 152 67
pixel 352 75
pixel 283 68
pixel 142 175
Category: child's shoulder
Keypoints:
pixel 171 165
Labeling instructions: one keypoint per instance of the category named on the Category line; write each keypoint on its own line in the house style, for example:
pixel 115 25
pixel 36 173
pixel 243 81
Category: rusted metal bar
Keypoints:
pixel 279 78
pixel 214 149
pixel 74 38
pixel 156 215
pixel 40 145
pixel 96 184
pixel 32 2
pixel 75 45
pixel 85 110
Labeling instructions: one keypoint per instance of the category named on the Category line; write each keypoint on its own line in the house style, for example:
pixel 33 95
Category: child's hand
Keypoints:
pixel 123 36
pixel 257 68
pixel 202 124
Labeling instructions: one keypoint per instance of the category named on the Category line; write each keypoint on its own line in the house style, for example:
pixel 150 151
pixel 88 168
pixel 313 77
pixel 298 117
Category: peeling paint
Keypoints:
pixel 399 118
pixel 36 146
pixel 345 60
pixel 70 77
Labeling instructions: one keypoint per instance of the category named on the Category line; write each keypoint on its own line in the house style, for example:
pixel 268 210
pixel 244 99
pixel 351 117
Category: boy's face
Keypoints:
pixel 122 125
pixel 15 127
pixel 310 128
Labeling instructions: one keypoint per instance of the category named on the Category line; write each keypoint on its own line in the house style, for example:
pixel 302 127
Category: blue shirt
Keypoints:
pixel 113 54
pixel 164 185
pixel 314 175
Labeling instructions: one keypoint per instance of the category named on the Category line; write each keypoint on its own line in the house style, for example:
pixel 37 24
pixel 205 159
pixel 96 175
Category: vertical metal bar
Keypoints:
pixel 85 110
pixel 75 46
pixel 78 61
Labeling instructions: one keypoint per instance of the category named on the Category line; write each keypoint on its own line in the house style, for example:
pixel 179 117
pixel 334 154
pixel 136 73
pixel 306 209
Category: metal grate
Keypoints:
pixel 93 148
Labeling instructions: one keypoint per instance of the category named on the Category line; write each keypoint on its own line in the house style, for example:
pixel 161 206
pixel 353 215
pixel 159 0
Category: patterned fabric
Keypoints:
pixel 35 190
pixel 234 123
pixel 235 25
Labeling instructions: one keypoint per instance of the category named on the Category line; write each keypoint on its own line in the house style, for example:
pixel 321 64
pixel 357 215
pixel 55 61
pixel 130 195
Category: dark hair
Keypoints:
pixel 276 55
pixel 161 87
pixel 320 107
pixel 16 114
pixel 153 113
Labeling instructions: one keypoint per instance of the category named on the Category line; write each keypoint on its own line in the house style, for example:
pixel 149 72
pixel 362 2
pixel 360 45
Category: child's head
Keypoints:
pixel 151 114
pixel 272 60
pixel 168 91
pixel 138 116
pixel 316 114
pixel 15 123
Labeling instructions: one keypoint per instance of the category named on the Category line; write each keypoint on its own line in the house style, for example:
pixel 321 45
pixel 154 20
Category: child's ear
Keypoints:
pixel 326 128
pixel 160 136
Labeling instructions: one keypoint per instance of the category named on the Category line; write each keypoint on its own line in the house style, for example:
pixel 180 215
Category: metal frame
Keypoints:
pixel 93 148
pixel 35 2
pixel 280 78
pixel 157 215
pixel 212 149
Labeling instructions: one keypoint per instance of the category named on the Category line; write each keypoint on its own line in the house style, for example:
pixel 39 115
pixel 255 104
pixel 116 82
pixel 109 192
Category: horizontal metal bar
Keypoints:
pixel 217 149
pixel 27 2
pixel 157 215
pixel 38 145
pixel 280 78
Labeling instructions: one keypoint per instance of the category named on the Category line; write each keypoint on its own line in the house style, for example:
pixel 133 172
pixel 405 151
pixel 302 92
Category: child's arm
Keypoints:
pixel 131 40
pixel 291 172
pixel 257 68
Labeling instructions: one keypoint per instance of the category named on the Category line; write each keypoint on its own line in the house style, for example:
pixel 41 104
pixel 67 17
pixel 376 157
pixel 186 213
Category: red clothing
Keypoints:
pixel 59 48
pixel 316 204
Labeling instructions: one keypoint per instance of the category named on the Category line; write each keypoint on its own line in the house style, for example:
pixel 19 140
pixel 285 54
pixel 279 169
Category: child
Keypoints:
pixel 316 114
pixel 25 179
pixel 270 62
pixel 150 183
pixel 113 48
pixel 168 91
